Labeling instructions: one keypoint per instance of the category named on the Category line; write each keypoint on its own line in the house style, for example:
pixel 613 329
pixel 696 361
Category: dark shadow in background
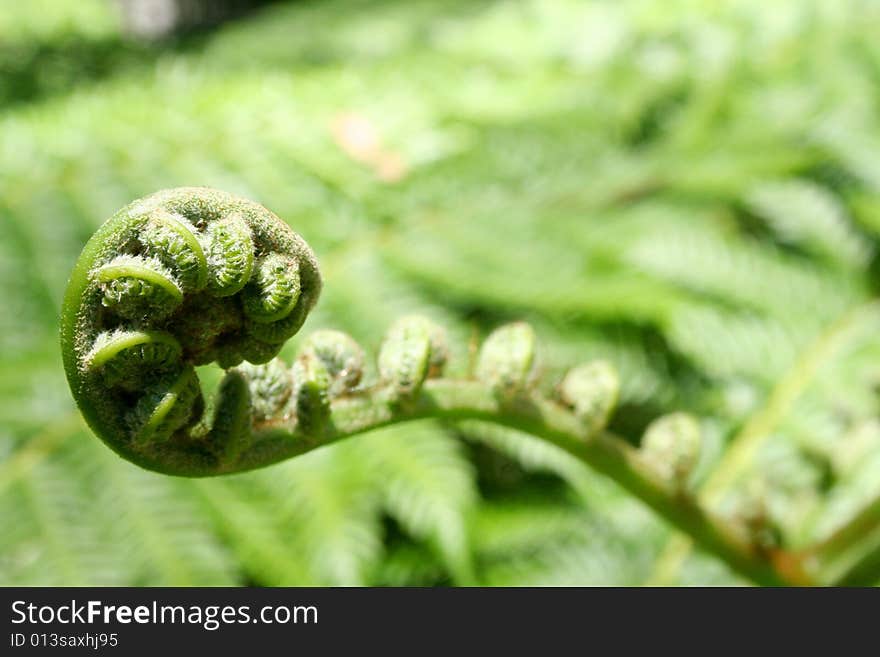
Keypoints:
pixel 32 70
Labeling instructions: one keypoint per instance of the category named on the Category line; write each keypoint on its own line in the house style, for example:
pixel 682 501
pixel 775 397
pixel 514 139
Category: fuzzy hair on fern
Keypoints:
pixel 191 276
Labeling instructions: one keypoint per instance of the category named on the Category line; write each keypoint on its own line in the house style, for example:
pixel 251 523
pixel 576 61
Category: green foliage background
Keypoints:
pixel 690 189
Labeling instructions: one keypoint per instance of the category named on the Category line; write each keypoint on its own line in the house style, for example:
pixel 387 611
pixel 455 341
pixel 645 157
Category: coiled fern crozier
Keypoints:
pixel 192 276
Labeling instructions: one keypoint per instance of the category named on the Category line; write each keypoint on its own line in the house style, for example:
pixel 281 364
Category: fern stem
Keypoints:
pixel 851 555
pixel 458 400
pixel 746 443
pixel 759 426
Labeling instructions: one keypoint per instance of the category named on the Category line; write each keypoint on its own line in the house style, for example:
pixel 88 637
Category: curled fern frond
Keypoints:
pixel 311 393
pixel 180 278
pixel 192 276
pixel 672 444
pixel 341 355
pixel 591 390
pixel 136 288
pixel 269 385
pixel 274 289
pixel 414 349
pixel 173 241
pixel 129 358
pixel 507 358
pixel 230 254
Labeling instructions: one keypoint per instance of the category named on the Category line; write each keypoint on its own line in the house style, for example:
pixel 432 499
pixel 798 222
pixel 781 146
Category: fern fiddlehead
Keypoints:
pixel 192 276
pixel 180 278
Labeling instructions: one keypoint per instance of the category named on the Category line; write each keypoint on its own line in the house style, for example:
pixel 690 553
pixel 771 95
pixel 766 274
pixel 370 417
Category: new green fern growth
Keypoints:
pixel 181 278
pixel 192 276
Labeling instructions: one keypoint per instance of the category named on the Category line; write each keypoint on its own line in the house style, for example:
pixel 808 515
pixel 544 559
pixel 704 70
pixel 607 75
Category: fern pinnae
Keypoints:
pixel 507 359
pixel 412 349
pixel 129 357
pixel 135 288
pixel 341 355
pixel 172 240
